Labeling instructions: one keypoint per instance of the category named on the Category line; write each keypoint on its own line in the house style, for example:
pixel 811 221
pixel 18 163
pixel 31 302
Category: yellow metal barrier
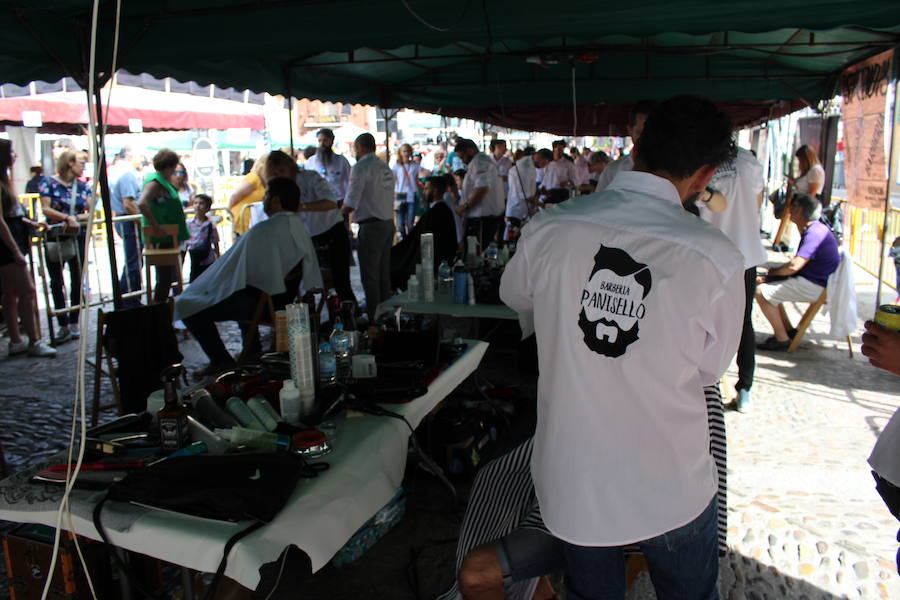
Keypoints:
pixel 866 230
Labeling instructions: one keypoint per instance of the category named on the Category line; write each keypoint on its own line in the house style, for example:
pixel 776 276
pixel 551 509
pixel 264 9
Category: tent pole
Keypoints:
pixel 388 117
pixel 887 197
pixel 105 197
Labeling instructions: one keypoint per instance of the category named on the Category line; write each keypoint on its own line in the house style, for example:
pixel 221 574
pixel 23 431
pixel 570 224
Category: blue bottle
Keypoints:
pixel 327 365
pixel 460 285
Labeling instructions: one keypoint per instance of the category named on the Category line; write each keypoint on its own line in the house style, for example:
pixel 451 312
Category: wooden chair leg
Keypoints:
pixel 804 323
pixel 785 221
pixel 634 565
pixel 850 346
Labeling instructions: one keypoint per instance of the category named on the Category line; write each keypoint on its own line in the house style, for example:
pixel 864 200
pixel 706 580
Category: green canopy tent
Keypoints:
pixel 571 68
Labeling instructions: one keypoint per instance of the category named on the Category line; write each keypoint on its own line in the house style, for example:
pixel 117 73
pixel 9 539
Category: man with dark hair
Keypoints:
pixel 559 172
pixel 801 279
pixel 370 198
pixel 522 193
pixel 319 210
pixel 334 168
pixel 272 257
pixel 611 283
pixel 482 193
pixel 37 175
pixel 597 163
pixel 636 119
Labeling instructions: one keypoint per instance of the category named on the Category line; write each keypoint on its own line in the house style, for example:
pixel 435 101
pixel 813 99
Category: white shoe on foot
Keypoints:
pixel 18 347
pixel 41 349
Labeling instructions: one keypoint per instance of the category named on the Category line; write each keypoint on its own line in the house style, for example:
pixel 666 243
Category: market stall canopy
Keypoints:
pixel 66 112
pixel 508 60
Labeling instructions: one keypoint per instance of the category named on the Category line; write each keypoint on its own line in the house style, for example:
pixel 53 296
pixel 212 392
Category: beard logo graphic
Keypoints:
pixel 612 302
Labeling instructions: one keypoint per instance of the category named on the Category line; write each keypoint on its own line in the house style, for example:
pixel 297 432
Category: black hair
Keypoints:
pixel 326 132
pixel 546 154
pixel 366 141
pixel 287 192
pixel 559 143
pixel 683 134
pixel 808 205
pixel 460 172
pixel 309 151
pixel 438 182
pixel 641 107
pixel 205 198
pixel 528 150
pixel 463 144
pixel 496 142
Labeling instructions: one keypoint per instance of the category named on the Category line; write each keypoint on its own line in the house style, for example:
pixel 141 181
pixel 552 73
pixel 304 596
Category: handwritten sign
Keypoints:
pixel 864 88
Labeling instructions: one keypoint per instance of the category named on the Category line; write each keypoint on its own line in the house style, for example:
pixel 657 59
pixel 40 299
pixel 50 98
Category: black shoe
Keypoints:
pixel 773 345
pixel 792 332
pixel 61 337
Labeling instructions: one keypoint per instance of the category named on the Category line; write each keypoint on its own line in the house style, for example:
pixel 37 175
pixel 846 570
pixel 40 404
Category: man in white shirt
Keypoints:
pixel 741 182
pixel 582 166
pixel 597 163
pixel 522 189
pixel 482 193
pixel 271 257
pixel 370 199
pixel 560 172
pixel 319 210
pixel 334 168
pixel 636 120
pixel 504 164
pixel 636 305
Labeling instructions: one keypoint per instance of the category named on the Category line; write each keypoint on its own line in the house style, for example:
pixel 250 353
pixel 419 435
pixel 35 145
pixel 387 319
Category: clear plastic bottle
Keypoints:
pixel 327 364
pixel 412 289
pixel 492 253
pixel 260 440
pixel 340 345
pixel 445 280
pixel 289 397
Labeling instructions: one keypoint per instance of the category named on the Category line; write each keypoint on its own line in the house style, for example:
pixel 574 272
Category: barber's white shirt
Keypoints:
pixel 336 173
pixel 371 190
pixel 740 182
pixel 261 258
pixel 582 171
pixel 558 171
pixel 626 163
pixel 522 184
pixel 313 188
pixel 482 172
pixel 636 305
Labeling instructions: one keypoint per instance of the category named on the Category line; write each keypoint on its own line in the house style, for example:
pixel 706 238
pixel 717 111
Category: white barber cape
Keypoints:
pixel 637 305
pixel 522 185
pixel 626 163
pixel 261 258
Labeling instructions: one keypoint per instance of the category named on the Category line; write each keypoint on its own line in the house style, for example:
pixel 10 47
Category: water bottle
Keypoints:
pixel 412 289
pixel 445 280
pixel 327 365
pixel 491 253
pixel 340 344
pixel 460 284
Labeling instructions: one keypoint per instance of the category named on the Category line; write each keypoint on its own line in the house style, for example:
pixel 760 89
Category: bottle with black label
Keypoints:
pixel 173 424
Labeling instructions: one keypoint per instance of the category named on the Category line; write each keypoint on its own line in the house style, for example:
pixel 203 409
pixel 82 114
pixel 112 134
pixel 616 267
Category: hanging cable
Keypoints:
pixel 421 20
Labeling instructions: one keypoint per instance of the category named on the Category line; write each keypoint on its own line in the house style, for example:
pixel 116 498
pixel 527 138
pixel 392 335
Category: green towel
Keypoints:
pixel 167 211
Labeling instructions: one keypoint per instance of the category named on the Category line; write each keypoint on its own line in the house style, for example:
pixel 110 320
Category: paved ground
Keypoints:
pixel 804 518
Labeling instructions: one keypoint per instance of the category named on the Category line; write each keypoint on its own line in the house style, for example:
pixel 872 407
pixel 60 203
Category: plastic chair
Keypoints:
pixel 157 256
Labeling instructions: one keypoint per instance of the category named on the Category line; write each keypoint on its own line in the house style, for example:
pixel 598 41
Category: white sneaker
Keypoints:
pixel 41 349
pixel 18 347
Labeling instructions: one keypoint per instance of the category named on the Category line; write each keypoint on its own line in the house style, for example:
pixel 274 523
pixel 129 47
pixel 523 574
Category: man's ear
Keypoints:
pixel 701 178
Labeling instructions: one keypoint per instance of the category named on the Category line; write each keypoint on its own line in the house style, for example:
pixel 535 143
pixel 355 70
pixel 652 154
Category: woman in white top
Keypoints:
pixel 406 172
pixel 812 175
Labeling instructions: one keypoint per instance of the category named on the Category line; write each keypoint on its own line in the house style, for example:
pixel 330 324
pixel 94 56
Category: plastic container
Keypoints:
pixel 492 253
pixel 340 345
pixel 327 365
pixel 470 289
pixel 301 349
pixel 289 398
pixel 260 440
pixel 263 411
pixel 412 289
pixel 427 283
pixel 445 280
pixel 243 414
pixel 460 284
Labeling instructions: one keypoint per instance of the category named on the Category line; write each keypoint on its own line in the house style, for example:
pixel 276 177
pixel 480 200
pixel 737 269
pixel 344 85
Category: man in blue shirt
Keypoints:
pixel 125 189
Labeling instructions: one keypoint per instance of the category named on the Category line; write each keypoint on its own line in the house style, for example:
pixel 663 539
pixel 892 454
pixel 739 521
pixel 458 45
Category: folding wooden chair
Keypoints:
pixel 807 318
pixel 156 256
pixel 100 355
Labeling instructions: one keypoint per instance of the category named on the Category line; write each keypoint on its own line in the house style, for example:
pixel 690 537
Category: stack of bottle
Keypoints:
pixel 301 352
pixel 427 254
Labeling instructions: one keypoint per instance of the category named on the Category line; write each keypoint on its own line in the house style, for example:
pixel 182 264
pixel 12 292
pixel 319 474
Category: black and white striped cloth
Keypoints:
pixel 503 498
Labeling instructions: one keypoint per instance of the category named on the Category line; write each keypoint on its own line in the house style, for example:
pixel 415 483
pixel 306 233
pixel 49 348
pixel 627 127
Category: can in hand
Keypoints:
pixel 888 316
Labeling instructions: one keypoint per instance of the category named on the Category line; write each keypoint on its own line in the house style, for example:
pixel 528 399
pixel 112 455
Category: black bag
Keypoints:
pixel 778 198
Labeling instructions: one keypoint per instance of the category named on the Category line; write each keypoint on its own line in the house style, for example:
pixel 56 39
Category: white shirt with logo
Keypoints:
pixel 626 163
pixel 740 182
pixel 313 188
pixel 482 172
pixel 371 190
pixel 336 173
pixel 637 305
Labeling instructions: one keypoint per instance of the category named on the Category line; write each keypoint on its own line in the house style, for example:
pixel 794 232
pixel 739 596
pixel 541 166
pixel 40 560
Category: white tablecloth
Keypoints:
pixel 367 467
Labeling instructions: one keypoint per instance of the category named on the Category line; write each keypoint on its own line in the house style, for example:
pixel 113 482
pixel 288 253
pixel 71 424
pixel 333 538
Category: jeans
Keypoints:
pixel 336 246
pixel 130 281
pixel 240 306
pixel 746 354
pixel 57 287
pixel 374 254
pixel 406 217
pixel 683 562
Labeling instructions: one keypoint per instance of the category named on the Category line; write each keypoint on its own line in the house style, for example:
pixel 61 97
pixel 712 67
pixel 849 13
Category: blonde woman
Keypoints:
pixel 66 201
pixel 252 189
pixel 406 180
pixel 812 175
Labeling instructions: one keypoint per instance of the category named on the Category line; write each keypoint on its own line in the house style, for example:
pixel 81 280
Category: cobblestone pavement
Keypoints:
pixel 804 518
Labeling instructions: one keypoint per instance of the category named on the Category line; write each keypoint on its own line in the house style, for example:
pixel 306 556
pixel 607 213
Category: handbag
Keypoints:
pixel 399 200
pixel 60 247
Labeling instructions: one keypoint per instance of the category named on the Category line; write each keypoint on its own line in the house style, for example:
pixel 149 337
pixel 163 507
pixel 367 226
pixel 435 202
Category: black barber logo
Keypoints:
pixel 612 302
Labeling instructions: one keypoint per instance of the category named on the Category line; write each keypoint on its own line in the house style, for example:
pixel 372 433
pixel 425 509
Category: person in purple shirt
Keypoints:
pixel 803 278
